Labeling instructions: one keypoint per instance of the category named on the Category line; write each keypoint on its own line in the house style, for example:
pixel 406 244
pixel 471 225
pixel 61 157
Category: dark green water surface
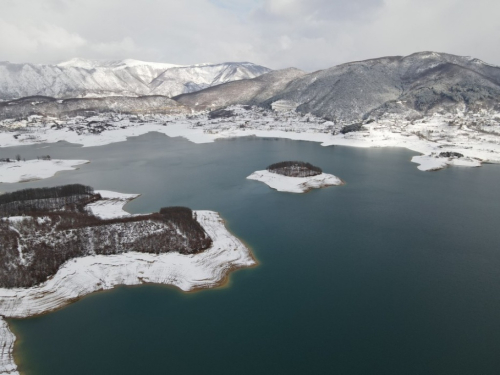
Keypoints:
pixel 397 272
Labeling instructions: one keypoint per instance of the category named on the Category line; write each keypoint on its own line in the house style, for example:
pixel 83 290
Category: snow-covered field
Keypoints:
pixel 22 171
pixel 295 184
pixel 475 135
pixel 82 276
pixel 111 205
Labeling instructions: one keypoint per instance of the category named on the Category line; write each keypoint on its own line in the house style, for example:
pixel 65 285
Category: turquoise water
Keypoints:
pixel 397 272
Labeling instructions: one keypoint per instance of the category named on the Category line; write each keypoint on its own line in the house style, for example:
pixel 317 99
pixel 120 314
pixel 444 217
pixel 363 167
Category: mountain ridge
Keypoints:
pixel 409 87
pixel 92 78
pixel 354 91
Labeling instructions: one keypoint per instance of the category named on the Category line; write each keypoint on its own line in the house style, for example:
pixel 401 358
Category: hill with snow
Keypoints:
pixel 406 86
pixel 248 91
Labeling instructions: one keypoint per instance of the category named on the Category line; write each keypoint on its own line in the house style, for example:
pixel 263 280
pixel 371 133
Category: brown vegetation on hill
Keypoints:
pixel 57 227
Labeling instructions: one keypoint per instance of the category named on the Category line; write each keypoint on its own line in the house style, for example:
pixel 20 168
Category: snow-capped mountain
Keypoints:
pixel 185 79
pixel 92 78
pixel 407 86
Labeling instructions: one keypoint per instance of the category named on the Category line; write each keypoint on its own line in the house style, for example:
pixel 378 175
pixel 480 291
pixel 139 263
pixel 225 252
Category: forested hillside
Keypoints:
pixel 52 226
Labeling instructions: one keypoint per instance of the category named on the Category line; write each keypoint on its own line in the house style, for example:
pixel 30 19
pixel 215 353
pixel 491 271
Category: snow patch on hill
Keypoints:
pixel 111 205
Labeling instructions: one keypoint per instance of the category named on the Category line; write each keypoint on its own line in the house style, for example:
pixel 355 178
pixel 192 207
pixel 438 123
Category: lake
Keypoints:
pixel 396 272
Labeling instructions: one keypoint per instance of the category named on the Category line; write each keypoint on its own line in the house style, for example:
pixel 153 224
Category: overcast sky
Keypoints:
pixel 307 34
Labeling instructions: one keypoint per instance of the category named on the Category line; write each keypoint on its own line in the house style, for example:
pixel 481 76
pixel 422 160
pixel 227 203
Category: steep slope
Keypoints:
pixel 90 78
pixel 249 91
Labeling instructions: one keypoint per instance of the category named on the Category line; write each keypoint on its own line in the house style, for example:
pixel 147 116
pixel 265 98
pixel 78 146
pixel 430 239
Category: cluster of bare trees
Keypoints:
pixel 19 158
pixel 351 128
pixel 9 160
pixel 33 249
pixel 295 169
pixel 220 113
pixel 184 219
pixel 23 202
pixel 451 154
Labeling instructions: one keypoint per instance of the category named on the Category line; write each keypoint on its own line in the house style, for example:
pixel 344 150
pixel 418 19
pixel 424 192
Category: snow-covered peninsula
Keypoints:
pixel 22 171
pixel 81 276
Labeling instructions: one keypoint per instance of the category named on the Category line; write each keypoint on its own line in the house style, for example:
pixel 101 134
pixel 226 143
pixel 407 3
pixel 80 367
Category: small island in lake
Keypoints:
pixel 295 177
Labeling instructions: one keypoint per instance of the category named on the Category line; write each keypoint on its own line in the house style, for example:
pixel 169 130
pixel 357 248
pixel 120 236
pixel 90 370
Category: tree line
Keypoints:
pixel 295 169
pixel 23 202
pixel 19 158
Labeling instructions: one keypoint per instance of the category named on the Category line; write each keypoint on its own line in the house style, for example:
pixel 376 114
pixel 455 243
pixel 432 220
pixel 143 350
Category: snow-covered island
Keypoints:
pixel 105 261
pixel 295 177
pixel 13 171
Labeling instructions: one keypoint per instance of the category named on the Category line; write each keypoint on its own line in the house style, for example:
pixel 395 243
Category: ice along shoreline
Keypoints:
pixel 80 277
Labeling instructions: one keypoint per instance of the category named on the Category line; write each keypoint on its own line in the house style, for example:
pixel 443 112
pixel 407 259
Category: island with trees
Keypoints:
pixel 295 177
pixel 59 244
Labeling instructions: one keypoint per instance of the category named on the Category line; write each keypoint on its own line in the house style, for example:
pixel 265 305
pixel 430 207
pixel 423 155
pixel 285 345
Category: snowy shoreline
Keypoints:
pixel 202 130
pixel 30 170
pixel 82 276
pixel 435 163
pixel 295 184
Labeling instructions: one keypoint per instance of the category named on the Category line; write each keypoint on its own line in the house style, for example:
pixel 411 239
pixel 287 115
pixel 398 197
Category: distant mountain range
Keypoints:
pixel 79 78
pixel 409 86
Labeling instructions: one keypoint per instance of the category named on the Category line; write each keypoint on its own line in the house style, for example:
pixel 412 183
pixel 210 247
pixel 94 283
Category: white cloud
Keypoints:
pixel 29 41
pixel 309 34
